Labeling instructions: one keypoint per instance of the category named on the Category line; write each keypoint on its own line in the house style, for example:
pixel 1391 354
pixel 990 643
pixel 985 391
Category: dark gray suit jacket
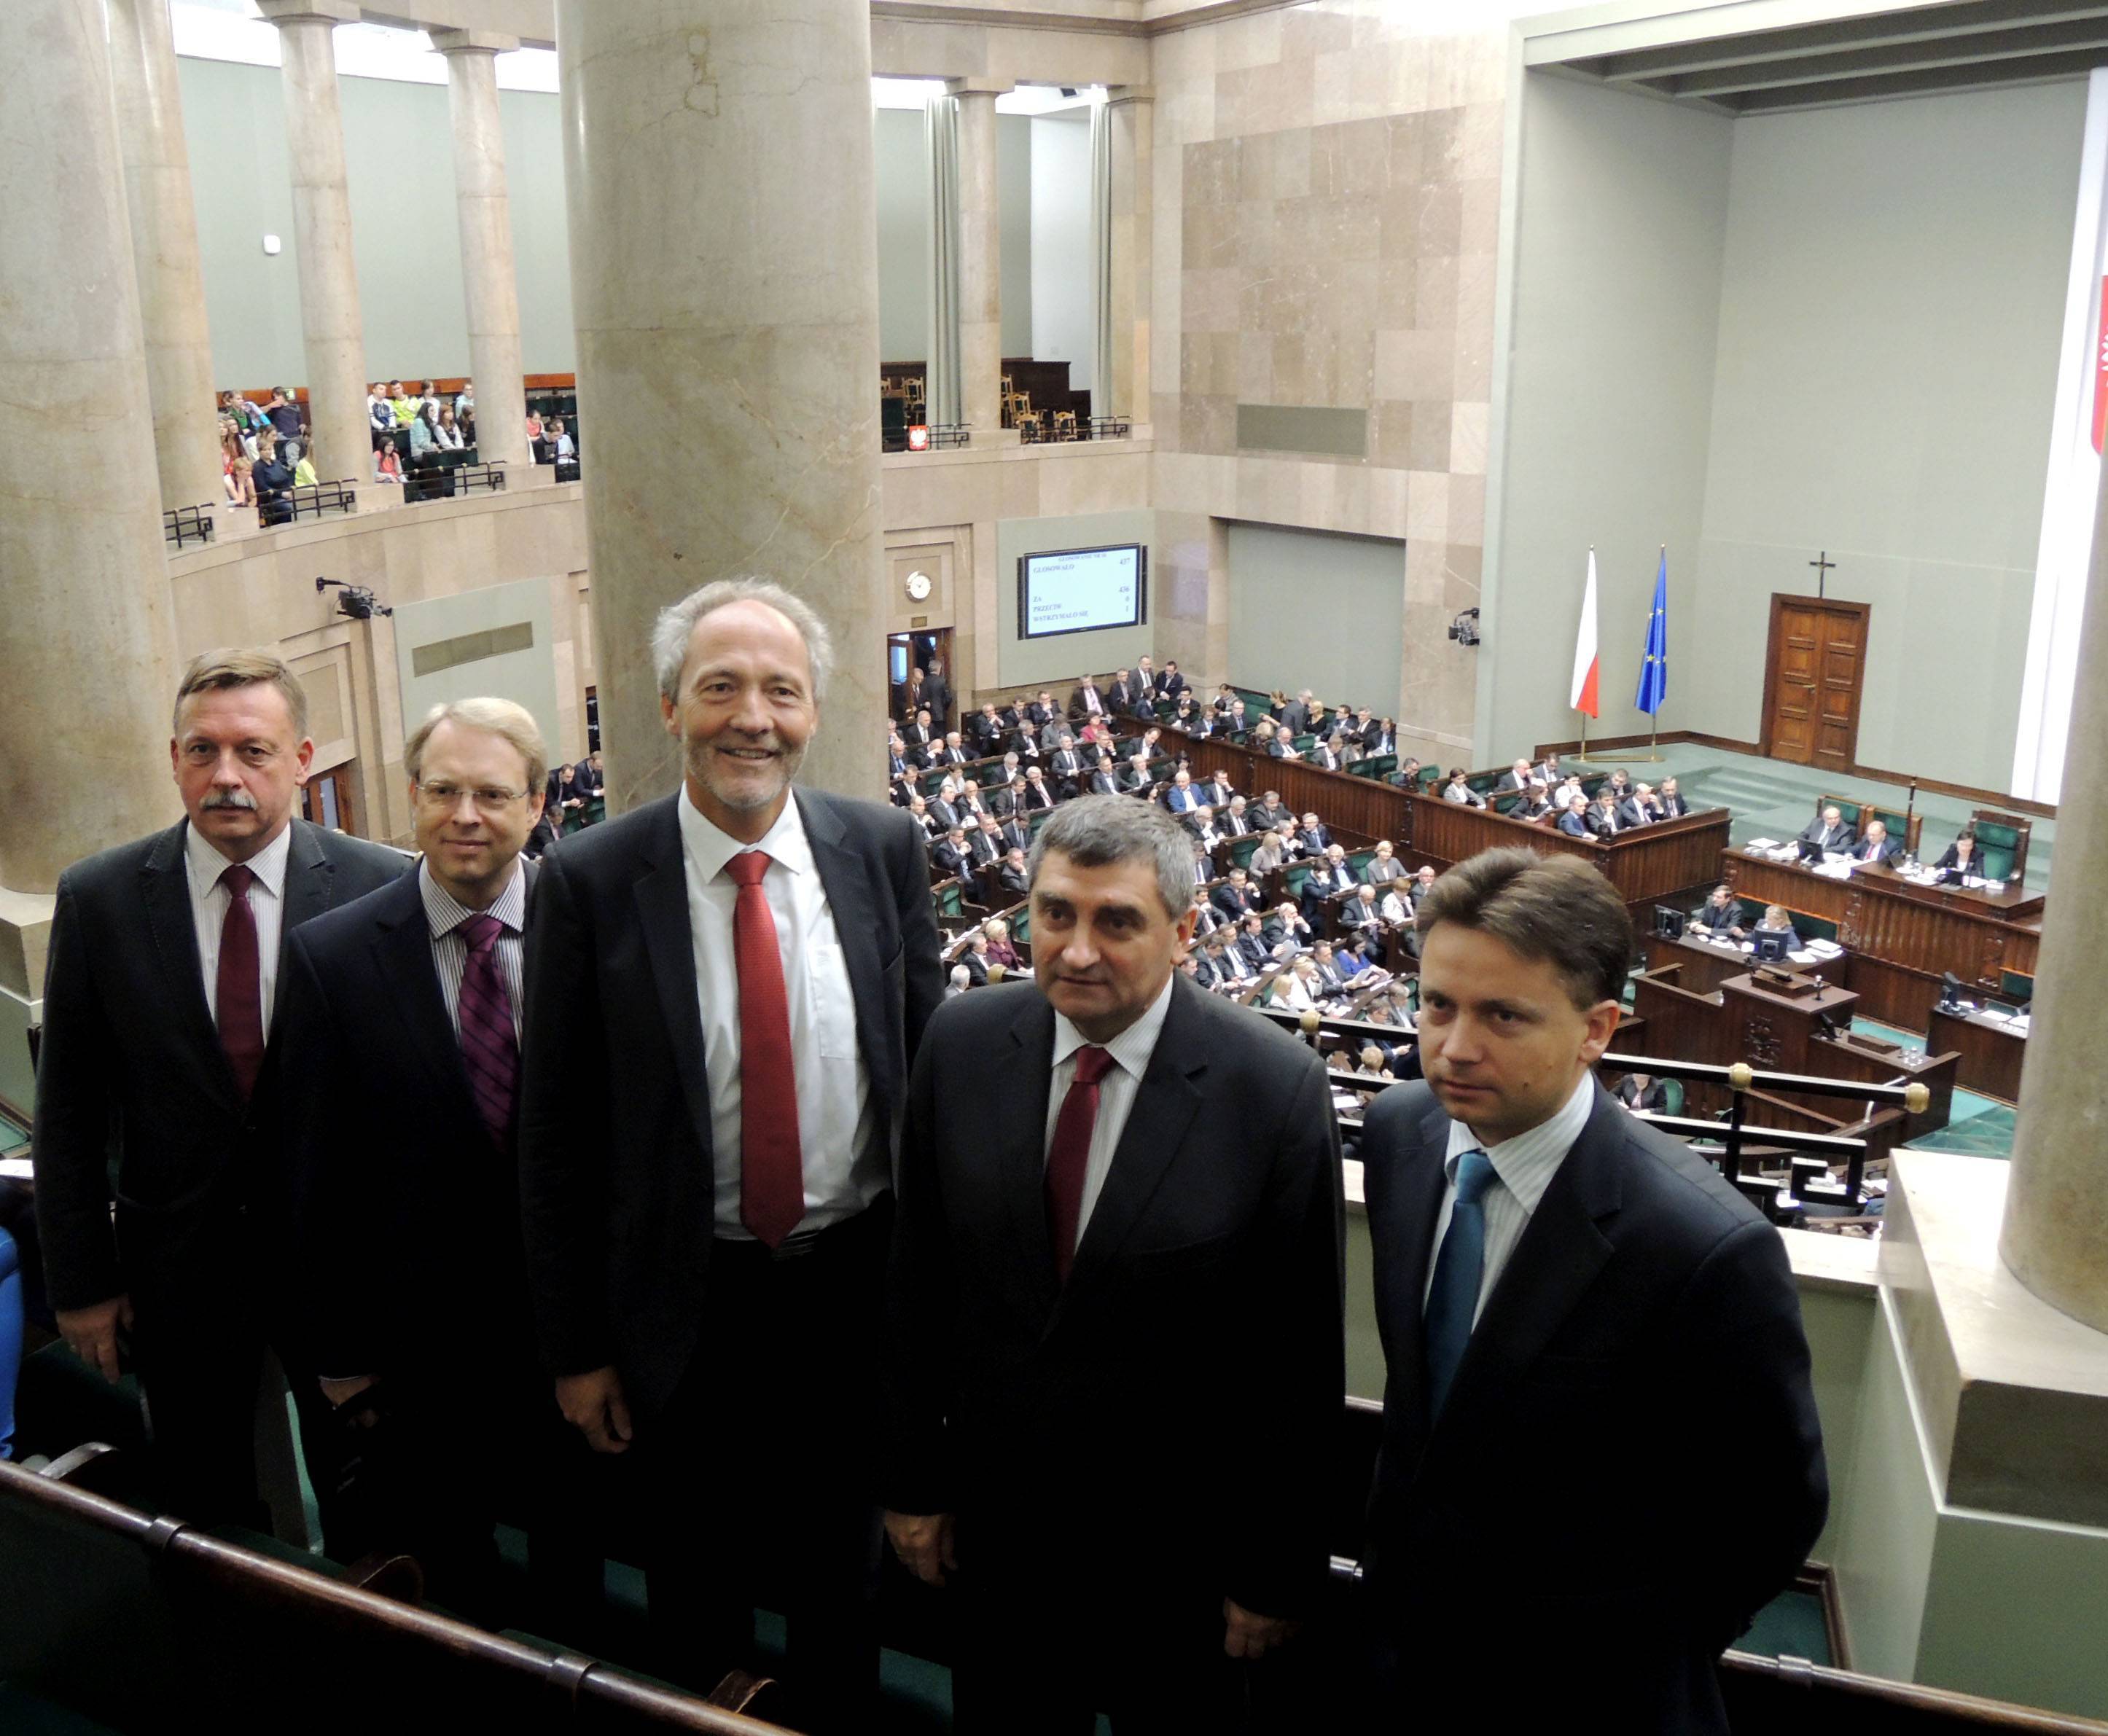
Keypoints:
pixel 615 1158
pixel 1570 1519
pixel 1186 1385
pixel 131 1068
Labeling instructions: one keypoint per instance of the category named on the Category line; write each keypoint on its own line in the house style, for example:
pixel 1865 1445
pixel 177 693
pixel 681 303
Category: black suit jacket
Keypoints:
pixel 1566 1506
pixel 405 1211
pixel 131 1066
pixel 1866 850
pixel 1201 1328
pixel 1672 807
pixel 615 1165
pixel 1842 836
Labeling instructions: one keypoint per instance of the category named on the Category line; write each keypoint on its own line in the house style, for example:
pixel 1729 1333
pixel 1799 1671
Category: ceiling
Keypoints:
pixel 1912 50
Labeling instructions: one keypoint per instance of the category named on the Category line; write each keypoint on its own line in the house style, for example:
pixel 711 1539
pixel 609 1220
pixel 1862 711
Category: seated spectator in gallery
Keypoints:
pixel 446 432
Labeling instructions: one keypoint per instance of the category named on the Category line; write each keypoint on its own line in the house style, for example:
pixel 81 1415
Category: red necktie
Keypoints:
pixel 240 982
pixel 1068 1157
pixel 771 1170
pixel 490 1047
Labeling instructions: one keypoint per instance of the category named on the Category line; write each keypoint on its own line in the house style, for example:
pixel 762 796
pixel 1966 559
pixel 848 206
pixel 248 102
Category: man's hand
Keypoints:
pixel 1248 1635
pixel 91 1332
pixel 923 1542
pixel 593 1405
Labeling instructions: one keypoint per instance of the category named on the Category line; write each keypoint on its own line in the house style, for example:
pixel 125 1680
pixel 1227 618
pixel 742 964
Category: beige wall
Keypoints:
pixel 1327 202
pixel 260 590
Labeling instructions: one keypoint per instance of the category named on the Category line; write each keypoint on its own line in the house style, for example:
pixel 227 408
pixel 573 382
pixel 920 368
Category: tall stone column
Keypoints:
pixel 336 341
pixel 164 251
pixel 2055 1237
pixel 726 302
pixel 85 621
pixel 1131 109
pixel 980 261
pixel 488 280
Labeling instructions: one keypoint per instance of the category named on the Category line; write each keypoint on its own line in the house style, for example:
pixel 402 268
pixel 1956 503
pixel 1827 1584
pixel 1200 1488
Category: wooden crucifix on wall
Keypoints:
pixel 1822 565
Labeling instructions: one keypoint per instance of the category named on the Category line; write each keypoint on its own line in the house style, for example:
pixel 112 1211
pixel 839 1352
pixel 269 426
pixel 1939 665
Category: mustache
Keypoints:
pixel 240 799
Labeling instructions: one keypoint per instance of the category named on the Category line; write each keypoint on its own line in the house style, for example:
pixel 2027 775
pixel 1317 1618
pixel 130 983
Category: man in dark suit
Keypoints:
pixel 1295 716
pixel 1670 800
pixel 406 1199
pixel 1574 822
pixel 1517 776
pixel 1105 780
pixel 1158 1161
pixel 1014 833
pixel 1874 847
pixel 1086 701
pixel 1827 832
pixel 1038 793
pixel 1170 682
pixel 1236 897
pixel 1067 767
pixel 951 853
pixel 724 990
pixel 937 692
pixel 1580 1321
pixel 159 1062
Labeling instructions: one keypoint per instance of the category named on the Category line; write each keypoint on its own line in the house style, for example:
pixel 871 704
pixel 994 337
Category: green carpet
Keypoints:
pixel 1790 1626
pixel 1976 1126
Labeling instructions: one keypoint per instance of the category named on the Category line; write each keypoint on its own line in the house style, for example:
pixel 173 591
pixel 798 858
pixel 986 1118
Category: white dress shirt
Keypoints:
pixel 444 914
pixel 1130 1050
pixel 846 1167
pixel 209 902
pixel 1524 1166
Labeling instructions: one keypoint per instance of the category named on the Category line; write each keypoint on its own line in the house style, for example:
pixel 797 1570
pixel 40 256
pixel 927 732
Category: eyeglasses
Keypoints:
pixel 488 801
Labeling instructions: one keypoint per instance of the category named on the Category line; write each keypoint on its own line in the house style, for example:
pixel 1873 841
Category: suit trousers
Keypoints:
pixel 204 1313
pixel 758 1476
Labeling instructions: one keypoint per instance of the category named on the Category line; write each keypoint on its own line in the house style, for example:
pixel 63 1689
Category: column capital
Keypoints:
pixel 309 11
pixel 979 87
pixel 1117 94
pixel 471 42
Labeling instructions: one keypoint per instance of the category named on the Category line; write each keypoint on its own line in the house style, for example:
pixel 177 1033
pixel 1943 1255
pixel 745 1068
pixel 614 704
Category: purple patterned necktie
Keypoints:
pixel 490 1049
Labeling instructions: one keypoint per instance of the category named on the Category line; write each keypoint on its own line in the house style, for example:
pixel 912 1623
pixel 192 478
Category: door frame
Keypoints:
pixel 1781 601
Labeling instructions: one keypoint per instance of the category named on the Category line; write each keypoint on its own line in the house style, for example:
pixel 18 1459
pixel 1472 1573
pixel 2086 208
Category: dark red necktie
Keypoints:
pixel 490 1047
pixel 1068 1157
pixel 239 989
pixel 771 1163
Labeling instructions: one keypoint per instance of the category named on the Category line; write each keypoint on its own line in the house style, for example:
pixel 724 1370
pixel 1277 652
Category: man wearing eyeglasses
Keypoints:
pixel 402 1028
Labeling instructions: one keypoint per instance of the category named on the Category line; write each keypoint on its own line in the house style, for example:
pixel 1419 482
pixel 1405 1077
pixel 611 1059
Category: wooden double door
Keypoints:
pixel 1812 677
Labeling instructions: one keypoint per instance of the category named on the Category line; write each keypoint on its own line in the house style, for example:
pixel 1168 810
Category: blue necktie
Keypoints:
pixel 1453 1298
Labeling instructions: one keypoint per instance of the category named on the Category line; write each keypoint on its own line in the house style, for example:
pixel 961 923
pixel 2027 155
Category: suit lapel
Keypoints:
pixel 1558 1257
pixel 1165 1105
pixel 164 884
pixel 843 875
pixel 662 910
pixel 1016 1138
pixel 402 954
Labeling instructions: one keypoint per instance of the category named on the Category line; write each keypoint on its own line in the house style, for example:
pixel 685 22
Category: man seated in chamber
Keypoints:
pixel 1720 915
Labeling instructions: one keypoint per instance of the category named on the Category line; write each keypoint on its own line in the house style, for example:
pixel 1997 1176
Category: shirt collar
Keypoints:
pixel 709 848
pixel 1527 1162
pixel 1132 1049
pixel 207 863
pixel 445 913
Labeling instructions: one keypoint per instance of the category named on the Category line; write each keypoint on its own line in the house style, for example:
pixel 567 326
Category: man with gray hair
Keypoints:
pixel 406 1201
pixel 1115 1309
pixel 726 988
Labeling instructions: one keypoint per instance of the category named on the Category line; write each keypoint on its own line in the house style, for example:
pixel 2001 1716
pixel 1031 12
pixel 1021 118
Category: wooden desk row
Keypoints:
pixel 1647 865
pixel 1902 937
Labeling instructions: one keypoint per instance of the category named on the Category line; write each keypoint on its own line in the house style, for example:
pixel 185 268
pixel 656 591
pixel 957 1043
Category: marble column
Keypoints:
pixel 165 250
pixel 2055 1238
pixel 727 301
pixel 980 262
pixel 488 280
pixel 85 621
pixel 1130 111
pixel 335 343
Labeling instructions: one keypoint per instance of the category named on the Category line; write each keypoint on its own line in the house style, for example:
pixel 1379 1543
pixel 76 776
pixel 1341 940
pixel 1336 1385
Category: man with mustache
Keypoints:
pixel 724 990
pixel 159 1049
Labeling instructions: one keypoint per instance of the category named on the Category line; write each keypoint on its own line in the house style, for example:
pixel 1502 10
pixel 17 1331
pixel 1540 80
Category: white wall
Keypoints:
pixel 1611 341
pixel 1892 303
pixel 1062 323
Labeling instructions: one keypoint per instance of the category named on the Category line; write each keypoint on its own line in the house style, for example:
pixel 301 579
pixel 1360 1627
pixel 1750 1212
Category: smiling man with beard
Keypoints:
pixel 725 989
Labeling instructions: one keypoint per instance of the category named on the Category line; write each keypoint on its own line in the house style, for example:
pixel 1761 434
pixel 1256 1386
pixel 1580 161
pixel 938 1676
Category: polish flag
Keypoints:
pixel 1584 649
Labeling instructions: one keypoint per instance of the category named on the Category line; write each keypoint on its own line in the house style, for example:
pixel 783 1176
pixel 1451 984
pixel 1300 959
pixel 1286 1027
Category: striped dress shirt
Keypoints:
pixel 445 915
pixel 1523 1167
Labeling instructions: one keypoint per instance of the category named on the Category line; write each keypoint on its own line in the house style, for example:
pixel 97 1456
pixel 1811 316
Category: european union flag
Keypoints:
pixel 1654 668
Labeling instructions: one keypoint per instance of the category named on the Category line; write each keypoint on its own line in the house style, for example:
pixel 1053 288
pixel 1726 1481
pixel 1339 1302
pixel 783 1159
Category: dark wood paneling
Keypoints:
pixel 1991 1053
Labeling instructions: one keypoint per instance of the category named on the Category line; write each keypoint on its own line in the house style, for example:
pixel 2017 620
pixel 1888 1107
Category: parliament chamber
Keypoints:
pixel 1378 437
